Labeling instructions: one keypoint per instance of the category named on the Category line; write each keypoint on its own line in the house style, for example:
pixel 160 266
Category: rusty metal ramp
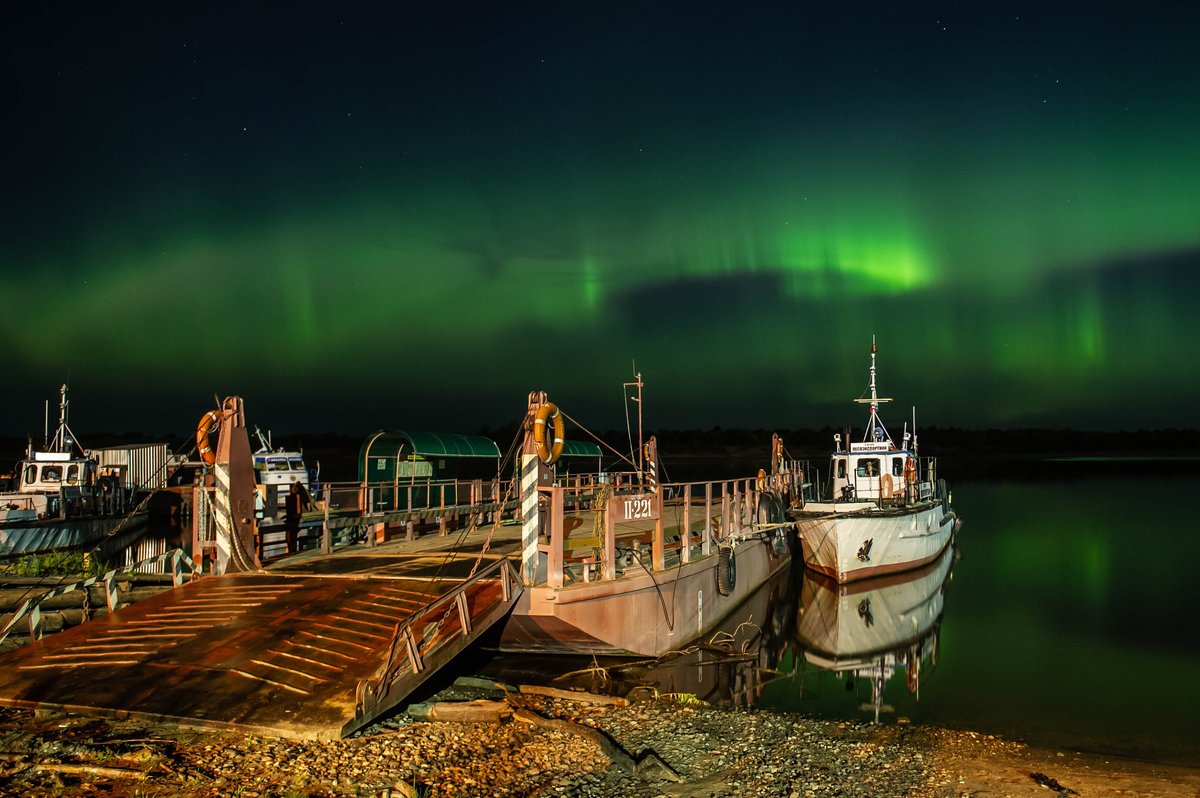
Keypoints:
pixel 301 655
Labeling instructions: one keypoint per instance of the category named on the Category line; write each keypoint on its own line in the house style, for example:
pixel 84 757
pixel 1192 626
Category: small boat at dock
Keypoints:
pixel 277 469
pixel 68 497
pixel 886 510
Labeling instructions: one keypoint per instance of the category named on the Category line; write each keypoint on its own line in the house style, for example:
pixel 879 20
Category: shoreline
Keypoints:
pixel 681 749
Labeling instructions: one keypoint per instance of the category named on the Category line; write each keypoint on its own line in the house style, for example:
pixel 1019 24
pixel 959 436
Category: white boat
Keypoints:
pixel 64 496
pixel 875 628
pixel 886 510
pixel 277 469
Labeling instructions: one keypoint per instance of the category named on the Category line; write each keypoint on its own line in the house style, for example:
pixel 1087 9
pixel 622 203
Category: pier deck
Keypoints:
pixel 312 649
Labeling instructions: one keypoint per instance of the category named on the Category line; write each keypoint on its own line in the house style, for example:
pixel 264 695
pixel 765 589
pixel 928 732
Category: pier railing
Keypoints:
pixel 634 523
pixel 377 511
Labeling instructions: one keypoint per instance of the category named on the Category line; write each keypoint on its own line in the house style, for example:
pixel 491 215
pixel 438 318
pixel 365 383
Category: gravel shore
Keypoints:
pixel 663 748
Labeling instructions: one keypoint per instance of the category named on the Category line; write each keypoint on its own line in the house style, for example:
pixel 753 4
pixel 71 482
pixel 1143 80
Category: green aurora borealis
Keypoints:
pixel 411 219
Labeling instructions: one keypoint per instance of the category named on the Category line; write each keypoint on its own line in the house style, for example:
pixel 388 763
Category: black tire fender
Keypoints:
pixel 726 570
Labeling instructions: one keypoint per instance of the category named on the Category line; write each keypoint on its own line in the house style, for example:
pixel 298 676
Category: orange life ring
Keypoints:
pixel 910 471
pixel 208 422
pixel 885 486
pixel 548 413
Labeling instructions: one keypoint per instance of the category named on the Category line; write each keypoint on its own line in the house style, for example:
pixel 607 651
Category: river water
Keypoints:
pixel 1064 617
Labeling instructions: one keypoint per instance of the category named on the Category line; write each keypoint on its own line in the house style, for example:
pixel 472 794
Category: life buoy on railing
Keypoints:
pixel 762 480
pixel 208 423
pixel 910 471
pixel 548 413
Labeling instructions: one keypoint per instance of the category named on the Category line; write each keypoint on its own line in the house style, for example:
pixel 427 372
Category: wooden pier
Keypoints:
pixel 312 650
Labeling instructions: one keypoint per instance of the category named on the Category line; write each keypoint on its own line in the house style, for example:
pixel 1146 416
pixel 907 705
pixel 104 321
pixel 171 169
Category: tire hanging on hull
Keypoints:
pixel 770 511
pixel 726 570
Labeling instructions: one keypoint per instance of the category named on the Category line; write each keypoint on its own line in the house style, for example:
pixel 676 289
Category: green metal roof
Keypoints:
pixel 386 443
pixel 573 448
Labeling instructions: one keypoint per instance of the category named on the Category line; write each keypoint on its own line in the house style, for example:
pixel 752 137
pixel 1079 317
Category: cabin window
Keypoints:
pixel 897 466
pixel 867 467
pixel 278 464
pixel 51 473
pixel 841 469
pixel 296 464
pixel 72 473
pixel 408 468
pixel 30 473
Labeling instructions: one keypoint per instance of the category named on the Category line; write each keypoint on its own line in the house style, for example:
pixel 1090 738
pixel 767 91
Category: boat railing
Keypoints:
pixel 369 510
pixel 423 641
pixel 643 523
pixel 17 502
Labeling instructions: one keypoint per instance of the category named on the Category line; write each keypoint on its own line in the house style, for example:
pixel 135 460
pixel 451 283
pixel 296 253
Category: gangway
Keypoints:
pixel 304 652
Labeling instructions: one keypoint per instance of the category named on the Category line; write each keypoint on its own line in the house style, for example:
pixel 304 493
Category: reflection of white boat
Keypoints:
pixel 873 628
pixel 887 510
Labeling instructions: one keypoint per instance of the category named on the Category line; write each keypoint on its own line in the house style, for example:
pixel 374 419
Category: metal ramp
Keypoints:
pixel 296 654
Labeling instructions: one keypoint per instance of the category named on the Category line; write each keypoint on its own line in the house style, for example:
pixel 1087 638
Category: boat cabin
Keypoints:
pixel 280 468
pixel 47 472
pixel 876 471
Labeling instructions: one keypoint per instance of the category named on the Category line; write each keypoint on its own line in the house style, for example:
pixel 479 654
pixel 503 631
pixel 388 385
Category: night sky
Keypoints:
pixel 359 218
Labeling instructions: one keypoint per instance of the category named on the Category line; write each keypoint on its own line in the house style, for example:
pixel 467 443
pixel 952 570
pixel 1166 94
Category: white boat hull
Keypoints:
pixel 849 541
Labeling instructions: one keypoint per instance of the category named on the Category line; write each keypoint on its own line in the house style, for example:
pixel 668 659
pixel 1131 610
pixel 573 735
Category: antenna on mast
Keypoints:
pixel 875 429
pixel 637 383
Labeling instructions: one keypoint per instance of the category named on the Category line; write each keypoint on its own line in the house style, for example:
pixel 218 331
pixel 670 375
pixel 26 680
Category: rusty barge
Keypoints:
pixel 401 576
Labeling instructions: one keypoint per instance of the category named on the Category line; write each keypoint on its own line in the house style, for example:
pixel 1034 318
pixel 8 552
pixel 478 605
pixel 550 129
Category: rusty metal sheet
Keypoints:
pixel 269 653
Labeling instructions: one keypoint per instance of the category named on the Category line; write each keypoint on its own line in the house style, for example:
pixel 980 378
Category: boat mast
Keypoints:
pixel 63 443
pixel 875 429
pixel 637 383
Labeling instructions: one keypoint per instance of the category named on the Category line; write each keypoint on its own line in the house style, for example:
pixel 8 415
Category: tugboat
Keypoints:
pixel 887 509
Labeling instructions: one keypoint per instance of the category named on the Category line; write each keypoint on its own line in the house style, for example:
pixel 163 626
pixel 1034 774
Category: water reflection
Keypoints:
pixel 796 636
pixel 874 629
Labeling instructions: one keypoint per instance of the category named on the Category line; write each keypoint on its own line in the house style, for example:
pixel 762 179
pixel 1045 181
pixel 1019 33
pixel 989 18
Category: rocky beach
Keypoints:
pixel 538 745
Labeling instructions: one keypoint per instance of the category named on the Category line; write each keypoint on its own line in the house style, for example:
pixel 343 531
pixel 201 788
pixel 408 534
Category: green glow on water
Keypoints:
pixel 1061 622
